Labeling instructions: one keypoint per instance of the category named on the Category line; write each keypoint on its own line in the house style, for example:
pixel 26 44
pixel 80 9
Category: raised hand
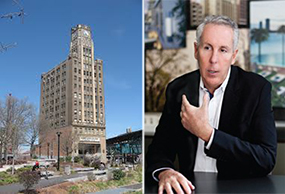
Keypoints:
pixel 196 119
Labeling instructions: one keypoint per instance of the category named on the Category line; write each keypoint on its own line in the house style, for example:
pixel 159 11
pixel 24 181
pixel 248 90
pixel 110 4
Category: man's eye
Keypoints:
pixel 224 50
pixel 207 48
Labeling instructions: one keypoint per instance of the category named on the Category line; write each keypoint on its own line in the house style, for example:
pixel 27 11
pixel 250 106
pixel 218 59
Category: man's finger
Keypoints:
pixel 186 186
pixel 191 185
pixel 160 189
pixel 168 188
pixel 176 186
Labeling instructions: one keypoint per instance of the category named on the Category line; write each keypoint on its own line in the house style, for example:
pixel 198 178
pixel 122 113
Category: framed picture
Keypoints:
pixel 236 10
pixel 165 23
pixel 267 46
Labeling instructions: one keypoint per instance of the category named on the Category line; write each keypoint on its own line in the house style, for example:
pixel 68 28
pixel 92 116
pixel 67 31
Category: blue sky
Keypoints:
pixel 43 42
pixel 261 10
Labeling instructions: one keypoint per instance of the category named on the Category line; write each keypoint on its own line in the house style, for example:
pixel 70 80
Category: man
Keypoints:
pixel 232 132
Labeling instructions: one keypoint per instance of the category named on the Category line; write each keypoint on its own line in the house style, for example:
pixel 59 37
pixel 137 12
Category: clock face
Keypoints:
pixel 86 33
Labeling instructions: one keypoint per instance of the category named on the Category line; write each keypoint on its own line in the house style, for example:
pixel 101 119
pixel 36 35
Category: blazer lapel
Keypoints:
pixel 230 102
pixel 193 90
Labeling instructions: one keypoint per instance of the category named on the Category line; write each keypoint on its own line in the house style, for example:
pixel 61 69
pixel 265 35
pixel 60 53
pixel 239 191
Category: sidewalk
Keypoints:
pixel 16 187
pixel 120 189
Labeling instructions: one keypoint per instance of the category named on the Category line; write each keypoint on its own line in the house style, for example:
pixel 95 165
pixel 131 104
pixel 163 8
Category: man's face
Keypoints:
pixel 215 54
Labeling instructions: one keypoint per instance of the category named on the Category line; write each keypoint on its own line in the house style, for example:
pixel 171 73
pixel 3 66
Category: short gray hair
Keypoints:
pixel 218 20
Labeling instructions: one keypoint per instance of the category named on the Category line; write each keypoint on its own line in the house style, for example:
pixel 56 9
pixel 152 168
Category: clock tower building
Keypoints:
pixel 73 102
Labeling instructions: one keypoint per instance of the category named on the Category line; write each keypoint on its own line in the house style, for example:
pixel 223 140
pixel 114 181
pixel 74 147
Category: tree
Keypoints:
pixel 67 142
pixel 28 179
pixel 32 132
pixel 160 67
pixel 259 35
pixel 14 120
pixel 67 145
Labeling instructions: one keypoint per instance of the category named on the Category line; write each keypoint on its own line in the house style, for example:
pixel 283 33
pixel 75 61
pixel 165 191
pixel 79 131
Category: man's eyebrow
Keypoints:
pixel 224 46
pixel 206 43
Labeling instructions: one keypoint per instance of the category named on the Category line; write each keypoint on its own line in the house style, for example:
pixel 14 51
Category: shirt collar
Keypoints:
pixel 223 86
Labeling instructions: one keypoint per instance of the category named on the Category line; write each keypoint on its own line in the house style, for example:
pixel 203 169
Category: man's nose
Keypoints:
pixel 214 57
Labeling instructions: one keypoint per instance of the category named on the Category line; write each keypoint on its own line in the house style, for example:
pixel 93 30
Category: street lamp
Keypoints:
pixel 48 150
pixel 58 151
pixel 40 151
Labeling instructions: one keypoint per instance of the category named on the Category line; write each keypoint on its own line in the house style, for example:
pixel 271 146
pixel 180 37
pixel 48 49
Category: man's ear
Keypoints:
pixel 234 56
pixel 196 50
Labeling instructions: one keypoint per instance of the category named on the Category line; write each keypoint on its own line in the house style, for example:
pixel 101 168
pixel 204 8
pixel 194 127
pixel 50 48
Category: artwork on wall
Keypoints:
pixel 166 23
pixel 237 10
pixel 267 47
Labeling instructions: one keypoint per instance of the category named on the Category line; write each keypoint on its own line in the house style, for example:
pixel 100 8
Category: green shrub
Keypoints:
pixel 23 169
pixel 7 178
pixel 118 174
pixel 77 159
pixel 68 158
pixel 73 189
pixel 29 178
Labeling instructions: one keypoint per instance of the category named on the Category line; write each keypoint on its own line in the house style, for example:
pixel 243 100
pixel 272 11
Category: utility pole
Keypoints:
pixel 58 150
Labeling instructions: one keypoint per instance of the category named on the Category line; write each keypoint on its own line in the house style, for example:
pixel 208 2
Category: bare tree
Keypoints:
pixel 44 127
pixel 14 119
pixel 67 142
pixel 32 132
pixel 161 66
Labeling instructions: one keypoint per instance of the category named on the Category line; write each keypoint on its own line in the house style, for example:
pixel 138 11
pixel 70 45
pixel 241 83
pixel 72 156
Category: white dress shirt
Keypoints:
pixel 204 163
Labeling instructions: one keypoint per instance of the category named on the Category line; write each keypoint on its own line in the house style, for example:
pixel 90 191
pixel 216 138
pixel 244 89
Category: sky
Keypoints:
pixel 43 41
pixel 261 10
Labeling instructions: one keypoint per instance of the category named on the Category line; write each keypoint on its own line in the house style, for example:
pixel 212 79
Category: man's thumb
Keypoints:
pixel 206 100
